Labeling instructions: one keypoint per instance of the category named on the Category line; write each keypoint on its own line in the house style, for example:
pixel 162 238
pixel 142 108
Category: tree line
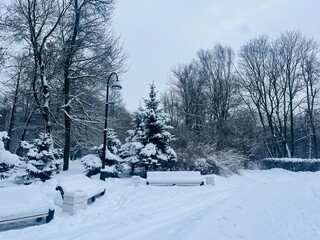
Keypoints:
pixel 261 102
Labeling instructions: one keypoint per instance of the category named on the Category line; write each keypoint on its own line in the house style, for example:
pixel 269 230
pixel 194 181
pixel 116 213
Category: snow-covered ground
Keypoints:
pixel 258 205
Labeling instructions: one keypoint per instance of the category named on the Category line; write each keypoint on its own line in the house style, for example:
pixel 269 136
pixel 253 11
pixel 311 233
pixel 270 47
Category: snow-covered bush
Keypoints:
pixel 221 163
pixel 229 162
pixel 203 165
pixel 42 159
pixel 93 163
pixel 7 159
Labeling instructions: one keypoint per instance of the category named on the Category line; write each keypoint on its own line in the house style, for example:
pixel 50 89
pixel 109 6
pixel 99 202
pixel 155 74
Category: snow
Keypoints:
pixel 298 160
pixel 175 177
pixel 92 161
pixel 149 150
pixel 80 183
pixel 264 205
pixel 7 157
pixel 3 135
pixel 22 201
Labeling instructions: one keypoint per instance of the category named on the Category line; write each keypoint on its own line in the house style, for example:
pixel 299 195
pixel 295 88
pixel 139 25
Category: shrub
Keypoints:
pixel 7 160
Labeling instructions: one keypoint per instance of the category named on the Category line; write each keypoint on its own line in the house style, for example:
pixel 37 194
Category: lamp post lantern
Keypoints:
pixel 115 86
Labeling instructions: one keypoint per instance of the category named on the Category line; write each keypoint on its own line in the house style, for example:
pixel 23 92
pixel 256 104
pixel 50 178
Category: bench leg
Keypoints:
pixel 50 216
pixel 93 199
pixel 202 183
pixel 102 193
pixel 61 191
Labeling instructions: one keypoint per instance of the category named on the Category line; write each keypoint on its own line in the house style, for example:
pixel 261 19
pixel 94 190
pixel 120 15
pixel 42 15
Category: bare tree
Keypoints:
pixel 33 23
pixel 253 65
pixel 172 106
pixel 274 75
pixel 289 49
pixel 215 68
pixel 310 70
pixel 18 74
pixel 190 89
pixel 90 51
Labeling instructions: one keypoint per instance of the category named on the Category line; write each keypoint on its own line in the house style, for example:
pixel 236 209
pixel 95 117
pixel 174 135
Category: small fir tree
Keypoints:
pixel 113 143
pixel 134 143
pixel 148 145
pixel 42 159
pixel 92 162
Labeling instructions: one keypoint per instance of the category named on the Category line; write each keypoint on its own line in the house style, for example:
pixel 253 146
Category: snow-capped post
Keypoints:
pixel 115 86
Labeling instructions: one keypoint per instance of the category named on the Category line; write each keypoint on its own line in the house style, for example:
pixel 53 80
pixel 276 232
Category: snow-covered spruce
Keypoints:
pixel 92 162
pixel 148 144
pixel 42 159
pixel 7 159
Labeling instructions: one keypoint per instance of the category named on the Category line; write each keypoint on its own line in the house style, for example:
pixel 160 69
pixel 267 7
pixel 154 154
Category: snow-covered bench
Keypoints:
pixel 80 183
pixel 181 178
pixel 23 203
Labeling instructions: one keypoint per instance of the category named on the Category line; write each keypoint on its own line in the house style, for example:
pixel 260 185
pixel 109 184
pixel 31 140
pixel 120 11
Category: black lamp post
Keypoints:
pixel 114 86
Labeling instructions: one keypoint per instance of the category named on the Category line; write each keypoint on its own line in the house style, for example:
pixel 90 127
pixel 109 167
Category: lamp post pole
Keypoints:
pixel 115 86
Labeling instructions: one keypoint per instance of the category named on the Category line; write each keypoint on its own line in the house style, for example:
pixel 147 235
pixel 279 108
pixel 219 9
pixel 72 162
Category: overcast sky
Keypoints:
pixel 159 34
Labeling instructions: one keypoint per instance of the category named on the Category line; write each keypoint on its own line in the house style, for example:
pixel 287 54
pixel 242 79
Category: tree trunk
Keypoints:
pixel 67 123
pixel 24 133
pixel 69 54
pixel 13 113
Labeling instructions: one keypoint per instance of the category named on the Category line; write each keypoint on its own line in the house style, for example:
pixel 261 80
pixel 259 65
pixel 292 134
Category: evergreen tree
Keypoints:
pixel 113 141
pixel 92 162
pixel 42 159
pixel 148 145
pixel 113 144
pixel 134 143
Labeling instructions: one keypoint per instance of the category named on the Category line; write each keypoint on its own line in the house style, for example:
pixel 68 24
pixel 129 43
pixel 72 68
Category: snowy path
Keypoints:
pixel 264 205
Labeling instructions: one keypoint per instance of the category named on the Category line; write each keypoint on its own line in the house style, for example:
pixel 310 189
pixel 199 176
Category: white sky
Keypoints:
pixel 159 34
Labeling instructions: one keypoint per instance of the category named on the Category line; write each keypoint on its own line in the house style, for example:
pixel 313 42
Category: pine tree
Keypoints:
pixel 148 145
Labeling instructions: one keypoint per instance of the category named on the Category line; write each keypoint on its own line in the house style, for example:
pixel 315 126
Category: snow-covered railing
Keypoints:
pixel 80 183
pixel 181 178
pixel 292 164
pixel 23 203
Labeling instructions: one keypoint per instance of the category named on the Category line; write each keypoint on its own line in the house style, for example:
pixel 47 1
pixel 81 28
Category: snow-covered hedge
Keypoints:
pixel 292 164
